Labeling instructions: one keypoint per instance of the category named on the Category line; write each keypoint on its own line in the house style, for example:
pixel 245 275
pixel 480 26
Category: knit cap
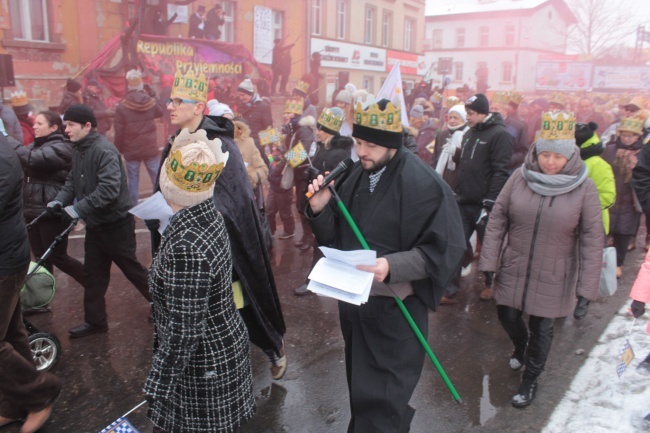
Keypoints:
pixel 584 131
pixel 344 96
pixel 219 109
pixel 416 112
pixel 478 103
pixel 246 86
pixel 134 80
pixel 460 109
pixel 189 173
pixel 80 113
pixel 563 147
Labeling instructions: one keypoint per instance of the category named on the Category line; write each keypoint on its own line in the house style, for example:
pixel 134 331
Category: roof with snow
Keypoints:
pixel 455 7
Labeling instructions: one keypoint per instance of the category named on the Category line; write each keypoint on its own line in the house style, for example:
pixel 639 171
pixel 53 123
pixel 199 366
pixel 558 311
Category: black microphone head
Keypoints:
pixel 347 163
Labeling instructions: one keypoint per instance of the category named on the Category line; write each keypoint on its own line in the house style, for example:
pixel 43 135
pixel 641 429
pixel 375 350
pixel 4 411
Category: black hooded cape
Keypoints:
pixel 234 198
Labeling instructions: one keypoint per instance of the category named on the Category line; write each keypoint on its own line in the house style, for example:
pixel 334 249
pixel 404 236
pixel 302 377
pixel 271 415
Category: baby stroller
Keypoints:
pixel 35 295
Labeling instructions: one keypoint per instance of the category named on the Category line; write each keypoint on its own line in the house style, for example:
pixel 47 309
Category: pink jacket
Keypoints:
pixel 641 288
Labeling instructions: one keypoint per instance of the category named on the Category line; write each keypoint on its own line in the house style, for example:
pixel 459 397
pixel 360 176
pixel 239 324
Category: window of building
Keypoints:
pixel 460 37
pixel 437 39
pixel 341 18
pixel 507 72
pixel 458 71
pixel 409 34
pixel 369 83
pixel 369 33
pixel 228 29
pixel 483 36
pixel 29 20
pixel 510 36
pixel 278 19
pixel 316 14
pixel 387 29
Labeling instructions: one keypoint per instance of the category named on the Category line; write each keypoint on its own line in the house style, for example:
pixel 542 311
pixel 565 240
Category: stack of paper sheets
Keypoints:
pixel 336 275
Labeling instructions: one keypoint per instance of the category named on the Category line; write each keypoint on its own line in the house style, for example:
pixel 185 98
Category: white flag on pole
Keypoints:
pixel 392 90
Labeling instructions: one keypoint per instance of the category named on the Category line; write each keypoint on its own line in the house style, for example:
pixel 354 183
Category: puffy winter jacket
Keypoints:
pixel 12 126
pixel 483 162
pixel 327 158
pixel 545 250
pixel 257 114
pixel 135 126
pixel 641 288
pixel 46 164
pixel 641 178
pixel 624 217
pixel 601 173
pixel 103 115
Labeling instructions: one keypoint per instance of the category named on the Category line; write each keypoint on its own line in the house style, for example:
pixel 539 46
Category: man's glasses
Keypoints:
pixel 176 102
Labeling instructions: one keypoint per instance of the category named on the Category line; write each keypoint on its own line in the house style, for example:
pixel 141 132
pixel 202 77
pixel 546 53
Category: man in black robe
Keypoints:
pixel 234 198
pixel 408 215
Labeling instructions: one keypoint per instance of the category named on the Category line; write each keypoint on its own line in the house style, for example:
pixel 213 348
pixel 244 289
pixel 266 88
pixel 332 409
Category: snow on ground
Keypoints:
pixel 598 401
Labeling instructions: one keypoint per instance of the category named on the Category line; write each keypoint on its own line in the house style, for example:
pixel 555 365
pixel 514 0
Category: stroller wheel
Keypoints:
pixel 45 348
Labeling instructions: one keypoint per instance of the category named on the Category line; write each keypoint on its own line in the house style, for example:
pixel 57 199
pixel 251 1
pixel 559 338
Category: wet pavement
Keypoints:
pixel 103 374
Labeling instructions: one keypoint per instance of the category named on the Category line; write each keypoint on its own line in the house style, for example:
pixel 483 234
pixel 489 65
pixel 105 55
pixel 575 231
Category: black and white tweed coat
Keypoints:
pixel 201 377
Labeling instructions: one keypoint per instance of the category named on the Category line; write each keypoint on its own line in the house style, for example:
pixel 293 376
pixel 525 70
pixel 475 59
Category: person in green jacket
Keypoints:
pixel 599 170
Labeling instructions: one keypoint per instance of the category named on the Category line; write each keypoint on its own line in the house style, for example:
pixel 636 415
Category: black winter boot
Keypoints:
pixel 526 393
pixel 581 308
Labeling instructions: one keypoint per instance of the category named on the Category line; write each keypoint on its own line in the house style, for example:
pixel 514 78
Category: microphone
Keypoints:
pixel 339 170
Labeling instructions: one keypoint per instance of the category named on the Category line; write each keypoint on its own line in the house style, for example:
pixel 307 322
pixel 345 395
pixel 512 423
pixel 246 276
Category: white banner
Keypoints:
pixel 263 35
pixel 342 55
pixel 622 78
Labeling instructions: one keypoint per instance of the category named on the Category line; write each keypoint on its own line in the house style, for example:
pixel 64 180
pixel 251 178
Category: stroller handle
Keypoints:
pixel 35 220
pixel 57 241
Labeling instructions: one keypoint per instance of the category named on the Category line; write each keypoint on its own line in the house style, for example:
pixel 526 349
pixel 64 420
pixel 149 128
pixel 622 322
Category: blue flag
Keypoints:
pixel 122 425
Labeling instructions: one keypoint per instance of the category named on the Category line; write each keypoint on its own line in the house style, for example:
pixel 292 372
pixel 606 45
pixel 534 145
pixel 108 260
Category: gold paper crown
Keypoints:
pixel 302 87
pixel 558 126
pixel 558 98
pixel 193 177
pixel 515 97
pixel 633 124
pixel 330 120
pixel 389 119
pixel 293 106
pixel 501 98
pixel 190 86
pixel 452 101
pixel 19 99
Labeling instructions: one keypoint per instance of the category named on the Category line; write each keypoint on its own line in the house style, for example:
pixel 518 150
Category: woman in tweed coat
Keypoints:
pixel 201 377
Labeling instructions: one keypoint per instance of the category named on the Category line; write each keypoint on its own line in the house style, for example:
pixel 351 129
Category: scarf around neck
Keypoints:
pixel 550 185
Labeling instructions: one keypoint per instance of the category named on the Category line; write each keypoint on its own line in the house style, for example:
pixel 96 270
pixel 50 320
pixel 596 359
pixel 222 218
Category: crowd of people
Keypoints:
pixel 542 185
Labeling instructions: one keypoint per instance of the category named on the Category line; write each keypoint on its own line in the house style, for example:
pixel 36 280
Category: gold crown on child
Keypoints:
pixel 330 120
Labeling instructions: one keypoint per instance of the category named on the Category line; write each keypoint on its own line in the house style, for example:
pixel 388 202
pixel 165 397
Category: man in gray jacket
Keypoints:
pixel 98 182
pixel 12 125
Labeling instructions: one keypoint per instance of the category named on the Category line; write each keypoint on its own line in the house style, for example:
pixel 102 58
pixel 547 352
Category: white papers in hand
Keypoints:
pixel 336 276
pixel 154 208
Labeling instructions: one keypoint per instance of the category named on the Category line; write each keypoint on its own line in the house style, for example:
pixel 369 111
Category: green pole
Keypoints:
pixel 400 304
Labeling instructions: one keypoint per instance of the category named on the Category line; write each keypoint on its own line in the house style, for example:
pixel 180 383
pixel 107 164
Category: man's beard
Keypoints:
pixel 383 162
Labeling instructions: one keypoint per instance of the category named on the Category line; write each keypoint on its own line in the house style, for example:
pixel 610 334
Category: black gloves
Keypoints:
pixel 637 308
pixel 310 174
pixel 53 208
pixel 581 309
pixel 152 225
pixel 69 215
pixel 488 205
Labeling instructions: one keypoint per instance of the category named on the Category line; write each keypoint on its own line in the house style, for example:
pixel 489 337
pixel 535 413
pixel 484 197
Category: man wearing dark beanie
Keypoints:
pixel 408 215
pixel 71 96
pixel 482 171
pixel 98 182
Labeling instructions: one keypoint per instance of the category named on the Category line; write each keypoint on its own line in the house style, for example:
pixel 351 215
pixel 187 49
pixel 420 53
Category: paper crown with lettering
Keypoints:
pixel 500 98
pixel 378 122
pixel 559 125
pixel 301 89
pixel 633 124
pixel 190 86
pixel 331 120
pixel 558 99
pixel 452 101
pixel 293 106
pixel 515 97
pixel 192 167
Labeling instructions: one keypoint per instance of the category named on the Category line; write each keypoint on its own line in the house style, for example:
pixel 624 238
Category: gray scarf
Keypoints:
pixel 551 185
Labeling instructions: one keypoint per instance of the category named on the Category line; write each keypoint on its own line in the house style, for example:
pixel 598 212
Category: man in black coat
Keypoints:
pixel 641 184
pixel 254 111
pixel 98 182
pixel 24 391
pixel 419 245
pixel 196 24
pixel 234 198
pixel 482 171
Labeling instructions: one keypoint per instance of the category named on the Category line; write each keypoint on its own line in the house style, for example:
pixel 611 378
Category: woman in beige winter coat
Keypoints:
pixel 255 166
pixel 544 240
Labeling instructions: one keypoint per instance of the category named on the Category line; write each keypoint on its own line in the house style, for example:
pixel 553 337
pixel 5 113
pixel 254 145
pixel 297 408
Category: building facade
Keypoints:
pixel 497 40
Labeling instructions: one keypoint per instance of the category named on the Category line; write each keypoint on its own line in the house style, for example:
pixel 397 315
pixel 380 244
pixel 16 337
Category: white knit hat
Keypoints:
pixel 134 80
pixel 189 172
pixel 344 96
pixel 460 110
pixel 246 86
pixel 219 109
